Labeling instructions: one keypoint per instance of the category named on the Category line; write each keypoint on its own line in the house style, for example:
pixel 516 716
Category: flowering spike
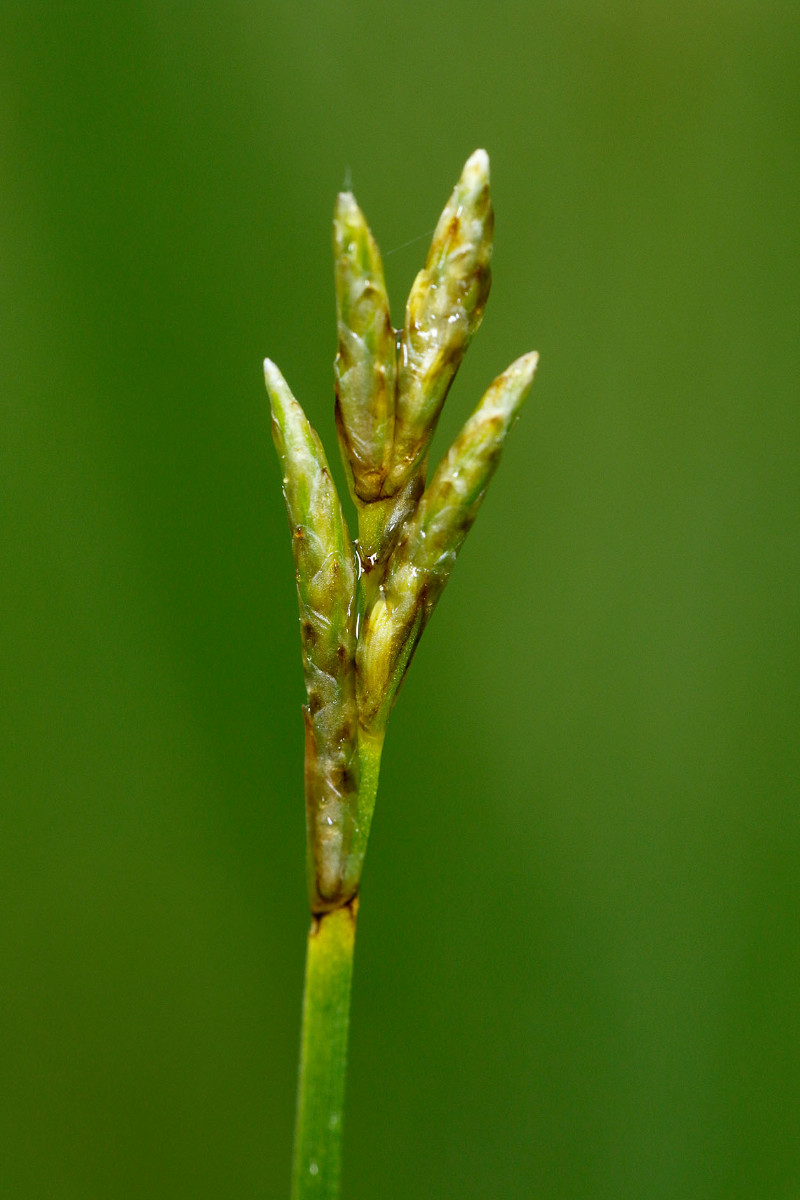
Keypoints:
pixel 365 362
pixel 444 309
pixel 426 553
pixel 363 606
pixel 326 586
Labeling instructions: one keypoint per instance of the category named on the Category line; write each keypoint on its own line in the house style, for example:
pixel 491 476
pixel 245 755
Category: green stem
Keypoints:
pixel 326 1013
pixel 323 1052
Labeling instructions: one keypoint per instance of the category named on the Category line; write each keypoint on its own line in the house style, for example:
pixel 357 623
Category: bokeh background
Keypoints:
pixel 578 971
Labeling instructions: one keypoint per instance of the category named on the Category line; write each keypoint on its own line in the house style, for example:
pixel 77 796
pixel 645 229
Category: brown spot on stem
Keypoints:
pixel 350 906
pixel 349 780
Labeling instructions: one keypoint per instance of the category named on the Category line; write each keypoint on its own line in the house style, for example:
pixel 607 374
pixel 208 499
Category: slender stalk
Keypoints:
pixel 326 1016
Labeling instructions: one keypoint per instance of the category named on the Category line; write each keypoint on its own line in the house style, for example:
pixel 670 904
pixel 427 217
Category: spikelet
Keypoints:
pixel 326 585
pixel 365 361
pixel 426 553
pixel 444 309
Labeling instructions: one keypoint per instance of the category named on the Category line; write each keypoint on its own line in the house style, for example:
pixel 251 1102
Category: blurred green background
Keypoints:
pixel 578 971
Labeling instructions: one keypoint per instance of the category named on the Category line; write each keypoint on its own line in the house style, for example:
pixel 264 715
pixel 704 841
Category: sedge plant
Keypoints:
pixel 364 603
